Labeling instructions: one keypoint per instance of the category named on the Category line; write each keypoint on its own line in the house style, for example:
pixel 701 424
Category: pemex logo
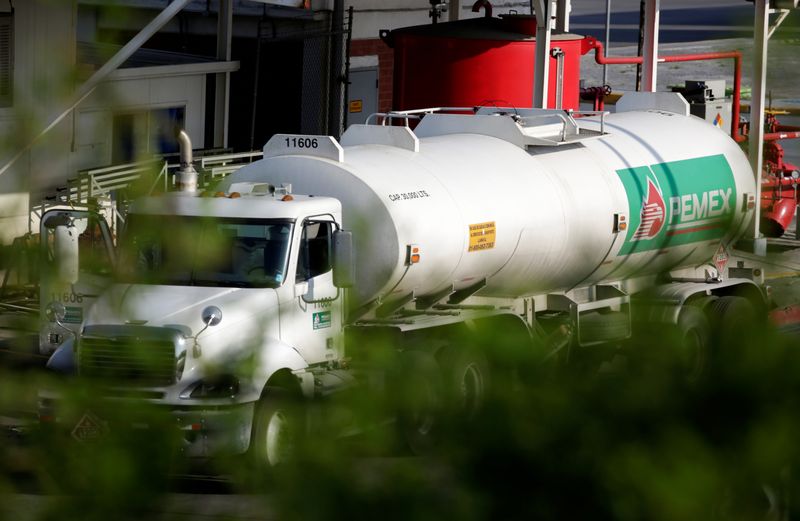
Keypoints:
pixel 678 202
pixel 653 215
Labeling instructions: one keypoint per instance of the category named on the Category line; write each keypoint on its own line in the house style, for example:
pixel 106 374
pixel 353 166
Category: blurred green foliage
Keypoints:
pixel 635 440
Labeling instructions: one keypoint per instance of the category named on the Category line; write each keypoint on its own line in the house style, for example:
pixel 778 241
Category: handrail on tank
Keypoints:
pixel 567 119
pixel 602 59
pixel 566 116
pixel 388 116
pixel 601 113
pixel 414 113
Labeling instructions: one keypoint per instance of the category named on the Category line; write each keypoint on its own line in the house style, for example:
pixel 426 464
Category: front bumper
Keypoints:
pixel 215 431
pixel 201 431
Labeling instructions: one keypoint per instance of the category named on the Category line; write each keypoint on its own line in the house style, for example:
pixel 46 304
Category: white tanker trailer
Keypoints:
pixel 506 218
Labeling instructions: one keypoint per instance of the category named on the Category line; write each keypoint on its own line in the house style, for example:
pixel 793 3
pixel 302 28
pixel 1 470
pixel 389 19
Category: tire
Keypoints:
pixel 694 342
pixel 732 321
pixel 277 430
pixel 467 380
pixel 603 327
pixel 418 387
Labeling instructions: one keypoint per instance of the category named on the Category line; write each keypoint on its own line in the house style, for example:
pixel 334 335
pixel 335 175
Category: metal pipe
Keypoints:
pixel 602 59
pixel 347 45
pixel 760 30
pixel 774 136
pixel 650 50
pixel 608 39
pixel 486 5
pixel 454 7
pixel 563 10
pixel 110 66
pixel 223 79
pixel 541 74
pixel 187 175
pixel 780 182
pixel 558 54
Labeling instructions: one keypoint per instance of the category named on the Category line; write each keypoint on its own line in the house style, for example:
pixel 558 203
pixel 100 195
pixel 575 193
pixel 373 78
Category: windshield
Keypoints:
pixel 203 251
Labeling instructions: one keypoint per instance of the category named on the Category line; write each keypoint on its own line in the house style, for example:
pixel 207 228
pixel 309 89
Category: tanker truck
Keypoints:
pixel 504 218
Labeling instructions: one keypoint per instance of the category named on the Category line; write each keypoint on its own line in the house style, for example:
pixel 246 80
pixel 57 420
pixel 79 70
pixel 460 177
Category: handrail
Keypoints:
pixel 407 115
pixel 601 113
pixel 225 158
pixel 100 181
pixel 565 121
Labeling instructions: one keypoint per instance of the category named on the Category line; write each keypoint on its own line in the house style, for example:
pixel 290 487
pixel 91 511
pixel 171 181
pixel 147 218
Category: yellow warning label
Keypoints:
pixel 482 236
pixel 356 105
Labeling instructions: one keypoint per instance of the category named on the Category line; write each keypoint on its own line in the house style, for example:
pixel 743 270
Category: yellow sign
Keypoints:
pixel 482 236
pixel 356 105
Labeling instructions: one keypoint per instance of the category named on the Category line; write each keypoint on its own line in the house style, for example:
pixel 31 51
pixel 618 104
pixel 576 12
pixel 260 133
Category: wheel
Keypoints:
pixel 419 391
pixel 467 379
pixel 732 320
pixel 694 346
pixel 276 431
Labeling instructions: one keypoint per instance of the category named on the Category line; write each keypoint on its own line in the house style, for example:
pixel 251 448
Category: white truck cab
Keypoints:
pixel 216 298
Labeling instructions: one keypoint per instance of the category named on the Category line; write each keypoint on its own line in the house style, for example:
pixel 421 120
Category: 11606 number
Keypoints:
pixel 302 142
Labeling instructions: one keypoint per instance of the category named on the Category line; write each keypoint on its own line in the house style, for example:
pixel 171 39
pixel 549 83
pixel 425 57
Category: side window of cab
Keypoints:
pixel 315 250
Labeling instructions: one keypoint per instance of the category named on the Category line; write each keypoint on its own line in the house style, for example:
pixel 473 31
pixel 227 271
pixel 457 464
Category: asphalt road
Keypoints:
pixel 680 20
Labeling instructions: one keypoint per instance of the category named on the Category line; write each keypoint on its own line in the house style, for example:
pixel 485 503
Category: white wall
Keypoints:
pixel 132 91
pixel 44 57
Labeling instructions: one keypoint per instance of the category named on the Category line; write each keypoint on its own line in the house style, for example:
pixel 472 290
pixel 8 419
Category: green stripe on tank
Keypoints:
pixel 678 202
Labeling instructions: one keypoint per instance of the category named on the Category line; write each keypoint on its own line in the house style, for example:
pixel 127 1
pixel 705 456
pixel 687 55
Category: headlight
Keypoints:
pixel 223 386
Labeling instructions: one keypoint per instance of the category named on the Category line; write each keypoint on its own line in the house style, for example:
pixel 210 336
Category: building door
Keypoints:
pixel 362 98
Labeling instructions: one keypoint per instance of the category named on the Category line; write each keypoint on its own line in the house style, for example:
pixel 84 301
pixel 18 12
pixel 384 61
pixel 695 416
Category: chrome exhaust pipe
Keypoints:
pixel 187 175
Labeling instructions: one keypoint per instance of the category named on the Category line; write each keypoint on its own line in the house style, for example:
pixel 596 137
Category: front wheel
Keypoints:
pixel 277 430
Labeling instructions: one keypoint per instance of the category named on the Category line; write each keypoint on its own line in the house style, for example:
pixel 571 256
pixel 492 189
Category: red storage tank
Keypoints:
pixel 478 61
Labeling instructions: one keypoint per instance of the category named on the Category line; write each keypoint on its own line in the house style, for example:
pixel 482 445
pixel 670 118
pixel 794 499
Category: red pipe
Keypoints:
pixel 775 182
pixel 774 136
pixel 476 7
pixel 602 59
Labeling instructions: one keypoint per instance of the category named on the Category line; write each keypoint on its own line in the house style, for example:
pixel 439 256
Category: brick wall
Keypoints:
pixel 375 46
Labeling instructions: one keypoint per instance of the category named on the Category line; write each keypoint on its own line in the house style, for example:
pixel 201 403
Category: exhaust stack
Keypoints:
pixel 187 175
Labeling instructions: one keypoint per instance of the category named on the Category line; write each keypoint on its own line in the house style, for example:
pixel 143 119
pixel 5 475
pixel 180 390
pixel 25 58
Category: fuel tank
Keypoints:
pixel 509 197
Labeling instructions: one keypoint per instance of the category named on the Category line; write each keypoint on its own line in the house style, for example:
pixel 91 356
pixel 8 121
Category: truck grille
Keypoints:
pixel 129 355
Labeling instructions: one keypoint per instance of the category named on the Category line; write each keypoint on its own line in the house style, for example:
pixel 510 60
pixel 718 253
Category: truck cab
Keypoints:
pixel 218 297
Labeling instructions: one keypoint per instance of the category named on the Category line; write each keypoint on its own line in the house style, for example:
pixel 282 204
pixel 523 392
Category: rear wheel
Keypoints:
pixel 467 379
pixel 732 320
pixel 693 342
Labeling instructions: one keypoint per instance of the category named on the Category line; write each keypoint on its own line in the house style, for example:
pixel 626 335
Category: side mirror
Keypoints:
pixel 343 259
pixel 211 316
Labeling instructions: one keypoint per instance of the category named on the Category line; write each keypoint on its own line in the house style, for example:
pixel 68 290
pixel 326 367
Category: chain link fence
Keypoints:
pixel 324 55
